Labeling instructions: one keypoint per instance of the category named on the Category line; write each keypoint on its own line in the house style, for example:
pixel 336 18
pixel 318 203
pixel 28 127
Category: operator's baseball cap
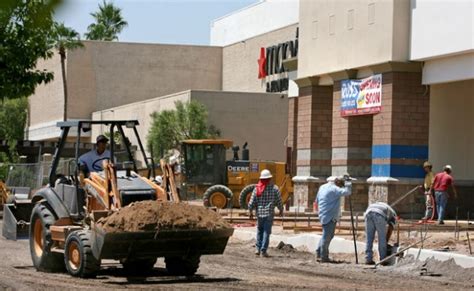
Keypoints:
pixel 101 138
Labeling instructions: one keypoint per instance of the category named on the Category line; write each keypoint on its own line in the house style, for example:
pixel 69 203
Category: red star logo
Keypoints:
pixel 262 61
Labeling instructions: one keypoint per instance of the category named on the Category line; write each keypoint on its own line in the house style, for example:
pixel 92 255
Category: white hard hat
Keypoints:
pixel 265 174
pixel 173 160
pixel 448 167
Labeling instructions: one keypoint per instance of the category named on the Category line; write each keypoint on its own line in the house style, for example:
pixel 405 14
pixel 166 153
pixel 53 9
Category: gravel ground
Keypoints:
pixel 238 268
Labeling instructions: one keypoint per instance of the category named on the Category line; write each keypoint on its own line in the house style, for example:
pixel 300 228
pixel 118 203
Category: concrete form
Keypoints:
pixel 308 242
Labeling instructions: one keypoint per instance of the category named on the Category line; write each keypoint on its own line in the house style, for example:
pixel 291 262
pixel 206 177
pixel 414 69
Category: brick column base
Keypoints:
pixel 389 190
pixel 304 193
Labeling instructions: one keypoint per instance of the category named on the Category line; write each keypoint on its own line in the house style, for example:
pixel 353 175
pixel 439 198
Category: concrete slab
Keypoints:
pixel 309 241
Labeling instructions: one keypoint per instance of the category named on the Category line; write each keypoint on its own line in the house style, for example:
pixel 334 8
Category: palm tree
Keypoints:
pixel 108 23
pixel 65 39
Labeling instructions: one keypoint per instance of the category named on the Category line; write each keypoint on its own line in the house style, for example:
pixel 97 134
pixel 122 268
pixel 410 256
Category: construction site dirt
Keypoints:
pixel 239 268
pixel 152 216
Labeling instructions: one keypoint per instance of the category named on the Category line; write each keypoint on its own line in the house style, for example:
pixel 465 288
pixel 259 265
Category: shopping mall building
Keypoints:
pixel 369 87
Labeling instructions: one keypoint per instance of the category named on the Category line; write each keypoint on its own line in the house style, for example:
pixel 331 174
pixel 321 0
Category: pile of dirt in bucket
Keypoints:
pixel 153 215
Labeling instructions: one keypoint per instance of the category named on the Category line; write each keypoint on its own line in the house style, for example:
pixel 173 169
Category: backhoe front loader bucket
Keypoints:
pixel 154 244
pixel 16 219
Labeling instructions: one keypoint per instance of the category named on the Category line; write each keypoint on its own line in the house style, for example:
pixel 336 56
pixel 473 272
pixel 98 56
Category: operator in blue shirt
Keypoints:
pixel 329 201
pixel 92 160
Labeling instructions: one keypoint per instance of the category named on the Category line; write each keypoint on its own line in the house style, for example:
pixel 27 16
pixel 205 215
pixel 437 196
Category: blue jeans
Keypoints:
pixel 441 202
pixel 328 233
pixel 375 222
pixel 264 229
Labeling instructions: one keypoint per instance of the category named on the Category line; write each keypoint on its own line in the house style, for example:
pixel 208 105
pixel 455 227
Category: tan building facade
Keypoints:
pixel 107 74
pixel 256 118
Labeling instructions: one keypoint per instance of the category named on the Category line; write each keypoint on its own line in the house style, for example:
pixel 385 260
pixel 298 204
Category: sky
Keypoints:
pixel 155 21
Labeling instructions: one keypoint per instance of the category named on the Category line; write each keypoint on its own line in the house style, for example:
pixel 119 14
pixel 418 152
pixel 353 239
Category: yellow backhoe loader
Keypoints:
pixel 64 233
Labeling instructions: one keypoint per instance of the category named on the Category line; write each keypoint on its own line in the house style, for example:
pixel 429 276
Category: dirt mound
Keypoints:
pixel 437 268
pixel 285 248
pixel 152 215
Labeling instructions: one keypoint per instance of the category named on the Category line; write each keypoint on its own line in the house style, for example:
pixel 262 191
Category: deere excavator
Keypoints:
pixel 221 183
pixel 63 228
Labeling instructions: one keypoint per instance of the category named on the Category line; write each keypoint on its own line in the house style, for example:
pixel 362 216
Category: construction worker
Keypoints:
pixel 427 187
pixel 265 197
pixel 377 216
pixel 92 160
pixel 442 181
pixel 328 200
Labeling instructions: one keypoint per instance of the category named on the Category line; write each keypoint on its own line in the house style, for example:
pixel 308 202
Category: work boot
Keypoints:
pixel 324 260
pixel 440 222
pixel 370 262
pixel 257 253
pixel 264 255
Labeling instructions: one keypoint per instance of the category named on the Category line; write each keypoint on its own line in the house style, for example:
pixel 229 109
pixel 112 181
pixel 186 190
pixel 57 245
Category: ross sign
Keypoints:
pixel 359 97
pixel 270 64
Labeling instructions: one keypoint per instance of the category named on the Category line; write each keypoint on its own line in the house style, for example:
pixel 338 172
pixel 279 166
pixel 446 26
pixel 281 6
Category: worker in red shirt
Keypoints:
pixel 442 181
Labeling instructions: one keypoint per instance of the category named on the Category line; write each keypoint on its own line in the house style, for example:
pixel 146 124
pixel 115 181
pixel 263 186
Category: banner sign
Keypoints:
pixel 362 96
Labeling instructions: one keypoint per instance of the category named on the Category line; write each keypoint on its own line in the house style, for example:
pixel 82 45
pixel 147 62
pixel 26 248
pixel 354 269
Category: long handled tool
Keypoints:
pixel 404 196
pixel 353 230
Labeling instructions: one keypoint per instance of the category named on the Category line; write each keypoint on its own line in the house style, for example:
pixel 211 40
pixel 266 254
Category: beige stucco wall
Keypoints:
pixel 346 34
pixel 46 105
pixel 103 75
pixel 140 111
pixel 451 137
pixel 258 118
pixel 240 66
pixel 261 119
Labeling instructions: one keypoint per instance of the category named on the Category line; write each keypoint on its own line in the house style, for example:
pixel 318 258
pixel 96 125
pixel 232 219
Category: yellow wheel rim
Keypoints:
pixel 38 238
pixel 74 258
pixel 218 200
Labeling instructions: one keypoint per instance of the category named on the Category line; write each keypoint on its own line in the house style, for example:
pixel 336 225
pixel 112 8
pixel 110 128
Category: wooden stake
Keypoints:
pixel 469 242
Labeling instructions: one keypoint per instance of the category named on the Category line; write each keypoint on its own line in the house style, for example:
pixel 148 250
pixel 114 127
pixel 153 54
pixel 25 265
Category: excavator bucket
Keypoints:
pixel 16 219
pixel 153 244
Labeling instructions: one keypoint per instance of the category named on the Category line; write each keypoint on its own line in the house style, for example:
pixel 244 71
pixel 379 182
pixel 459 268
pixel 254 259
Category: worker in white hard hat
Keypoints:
pixel 427 191
pixel 329 202
pixel 265 197
pixel 443 181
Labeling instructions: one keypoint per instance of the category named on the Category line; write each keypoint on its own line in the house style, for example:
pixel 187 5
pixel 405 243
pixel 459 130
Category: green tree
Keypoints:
pixel 170 127
pixel 26 35
pixel 13 115
pixel 108 23
pixel 65 39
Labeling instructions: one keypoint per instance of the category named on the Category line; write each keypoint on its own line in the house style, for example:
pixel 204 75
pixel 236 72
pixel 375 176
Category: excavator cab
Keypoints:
pixel 204 165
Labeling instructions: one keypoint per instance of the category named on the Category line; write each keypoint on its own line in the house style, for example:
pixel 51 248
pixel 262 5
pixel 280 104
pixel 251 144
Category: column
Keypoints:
pixel 313 157
pixel 400 141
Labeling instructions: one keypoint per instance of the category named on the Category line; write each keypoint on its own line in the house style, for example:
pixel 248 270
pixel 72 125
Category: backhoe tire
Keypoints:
pixel 78 257
pixel 182 266
pixel 245 195
pixel 138 266
pixel 41 242
pixel 218 196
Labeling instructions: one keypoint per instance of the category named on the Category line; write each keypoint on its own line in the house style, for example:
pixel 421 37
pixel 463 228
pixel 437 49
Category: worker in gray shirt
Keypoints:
pixel 377 216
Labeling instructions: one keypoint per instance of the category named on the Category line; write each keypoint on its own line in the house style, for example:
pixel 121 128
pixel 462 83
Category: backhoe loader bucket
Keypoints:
pixel 16 219
pixel 154 244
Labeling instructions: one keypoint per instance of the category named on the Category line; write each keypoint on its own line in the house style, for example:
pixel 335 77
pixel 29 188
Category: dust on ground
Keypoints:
pixel 154 215
pixel 237 269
